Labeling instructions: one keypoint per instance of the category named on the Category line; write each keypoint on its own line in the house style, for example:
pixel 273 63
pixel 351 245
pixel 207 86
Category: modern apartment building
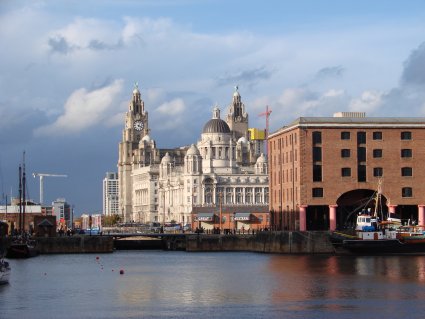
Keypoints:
pixel 322 170
pixel 110 194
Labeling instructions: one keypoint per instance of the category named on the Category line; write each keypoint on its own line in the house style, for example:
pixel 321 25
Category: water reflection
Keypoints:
pixel 339 281
pixel 215 285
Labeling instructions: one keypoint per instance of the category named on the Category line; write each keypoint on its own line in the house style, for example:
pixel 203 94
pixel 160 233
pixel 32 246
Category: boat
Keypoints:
pixel 4 272
pixel 21 245
pixel 375 236
pixel 22 249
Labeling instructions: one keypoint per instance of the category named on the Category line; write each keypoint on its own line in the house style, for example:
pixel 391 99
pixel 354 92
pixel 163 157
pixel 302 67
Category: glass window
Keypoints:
pixel 345 135
pixel 406 152
pixel 317 192
pixel 317 137
pixel 377 135
pixel 317 173
pixel 345 171
pixel 361 137
pixel 317 154
pixel 377 153
pixel 361 173
pixel 406 135
pixel 406 171
pixel 406 192
pixel 361 154
pixel 378 171
pixel 345 152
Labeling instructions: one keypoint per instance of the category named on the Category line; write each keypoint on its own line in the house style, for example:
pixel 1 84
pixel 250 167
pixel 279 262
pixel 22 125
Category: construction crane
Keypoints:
pixel 42 175
pixel 267 115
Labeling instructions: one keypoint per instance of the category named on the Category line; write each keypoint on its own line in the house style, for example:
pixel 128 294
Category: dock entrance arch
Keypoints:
pixel 353 202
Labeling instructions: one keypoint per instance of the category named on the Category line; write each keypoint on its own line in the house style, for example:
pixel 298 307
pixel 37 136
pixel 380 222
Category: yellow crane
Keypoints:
pixel 42 175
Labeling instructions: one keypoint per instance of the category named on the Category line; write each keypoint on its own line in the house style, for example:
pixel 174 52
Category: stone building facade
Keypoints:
pixel 173 185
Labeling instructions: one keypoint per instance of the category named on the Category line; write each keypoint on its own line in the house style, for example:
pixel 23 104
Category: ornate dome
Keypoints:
pixel 261 159
pixel 216 126
pixel 193 150
pixel 166 159
pixel 242 140
pixel 146 138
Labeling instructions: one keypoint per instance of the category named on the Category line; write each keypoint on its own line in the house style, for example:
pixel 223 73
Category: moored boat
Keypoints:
pixel 372 236
pixel 4 271
pixel 24 249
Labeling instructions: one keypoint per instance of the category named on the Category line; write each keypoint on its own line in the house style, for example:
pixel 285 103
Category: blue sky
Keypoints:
pixel 67 70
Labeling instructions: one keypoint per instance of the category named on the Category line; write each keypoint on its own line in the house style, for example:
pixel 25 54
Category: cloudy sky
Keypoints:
pixel 67 71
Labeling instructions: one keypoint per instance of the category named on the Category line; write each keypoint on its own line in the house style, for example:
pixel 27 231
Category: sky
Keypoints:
pixel 68 69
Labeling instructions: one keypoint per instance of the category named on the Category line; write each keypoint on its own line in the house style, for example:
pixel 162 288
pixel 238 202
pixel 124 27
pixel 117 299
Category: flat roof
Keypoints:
pixel 362 122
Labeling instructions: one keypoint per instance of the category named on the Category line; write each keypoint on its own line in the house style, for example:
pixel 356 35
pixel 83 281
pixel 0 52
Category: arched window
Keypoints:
pixel 208 195
pixel 266 195
pixel 239 195
pixel 258 195
pixel 229 195
pixel 248 195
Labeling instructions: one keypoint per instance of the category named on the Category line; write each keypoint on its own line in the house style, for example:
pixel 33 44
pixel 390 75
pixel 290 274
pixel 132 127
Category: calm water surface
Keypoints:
pixel 158 284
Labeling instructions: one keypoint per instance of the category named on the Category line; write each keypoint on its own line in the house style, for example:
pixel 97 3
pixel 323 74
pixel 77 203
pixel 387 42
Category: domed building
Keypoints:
pixel 223 177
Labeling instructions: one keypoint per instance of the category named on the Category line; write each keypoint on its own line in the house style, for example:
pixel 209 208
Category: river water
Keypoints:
pixel 158 284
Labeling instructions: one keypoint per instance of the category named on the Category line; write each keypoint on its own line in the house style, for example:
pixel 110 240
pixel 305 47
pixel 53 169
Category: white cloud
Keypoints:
pixel 172 108
pixel 84 109
pixel 369 102
pixel 85 33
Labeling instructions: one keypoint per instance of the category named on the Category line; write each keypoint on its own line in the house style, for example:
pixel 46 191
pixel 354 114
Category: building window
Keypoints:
pixel 317 192
pixel 406 171
pixel 317 138
pixel 361 137
pixel 317 173
pixel 406 136
pixel 361 154
pixel 406 152
pixel 378 171
pixel 345 152
pixel 406 192
pixel 377 153
pixel 345 135
pixel 345 171
pixel 377 135
pixel 361 173
pixel 317 154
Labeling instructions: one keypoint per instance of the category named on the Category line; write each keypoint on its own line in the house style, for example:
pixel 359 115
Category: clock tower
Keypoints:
pixel 135 129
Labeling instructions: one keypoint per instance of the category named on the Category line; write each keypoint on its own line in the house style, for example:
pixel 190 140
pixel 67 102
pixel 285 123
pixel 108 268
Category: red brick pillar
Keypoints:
pixel 332 217
pixel 421 215
pixel 303 218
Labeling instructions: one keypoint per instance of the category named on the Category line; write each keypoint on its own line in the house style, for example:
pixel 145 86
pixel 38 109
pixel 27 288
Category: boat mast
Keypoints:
pixel 20 198
pixel 24 181
pixel 378 198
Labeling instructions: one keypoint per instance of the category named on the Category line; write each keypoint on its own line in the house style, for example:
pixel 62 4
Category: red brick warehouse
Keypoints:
pixel 324 169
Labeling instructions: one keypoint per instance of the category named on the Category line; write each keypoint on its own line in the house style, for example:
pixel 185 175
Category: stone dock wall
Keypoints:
pixel 75 244
pixel 288 242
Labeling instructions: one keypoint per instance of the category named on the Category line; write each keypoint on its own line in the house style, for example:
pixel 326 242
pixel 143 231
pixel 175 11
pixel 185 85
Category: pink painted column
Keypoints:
pixel 332 217
pixel 391 209
pixel 421 215
pixel 303 218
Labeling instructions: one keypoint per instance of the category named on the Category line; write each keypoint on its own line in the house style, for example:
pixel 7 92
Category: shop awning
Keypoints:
pixel 243 216
pixel 205 217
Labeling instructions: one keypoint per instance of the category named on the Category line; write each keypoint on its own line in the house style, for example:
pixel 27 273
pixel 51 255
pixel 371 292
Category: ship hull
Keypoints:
pixel 381 247
pixel 21 251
